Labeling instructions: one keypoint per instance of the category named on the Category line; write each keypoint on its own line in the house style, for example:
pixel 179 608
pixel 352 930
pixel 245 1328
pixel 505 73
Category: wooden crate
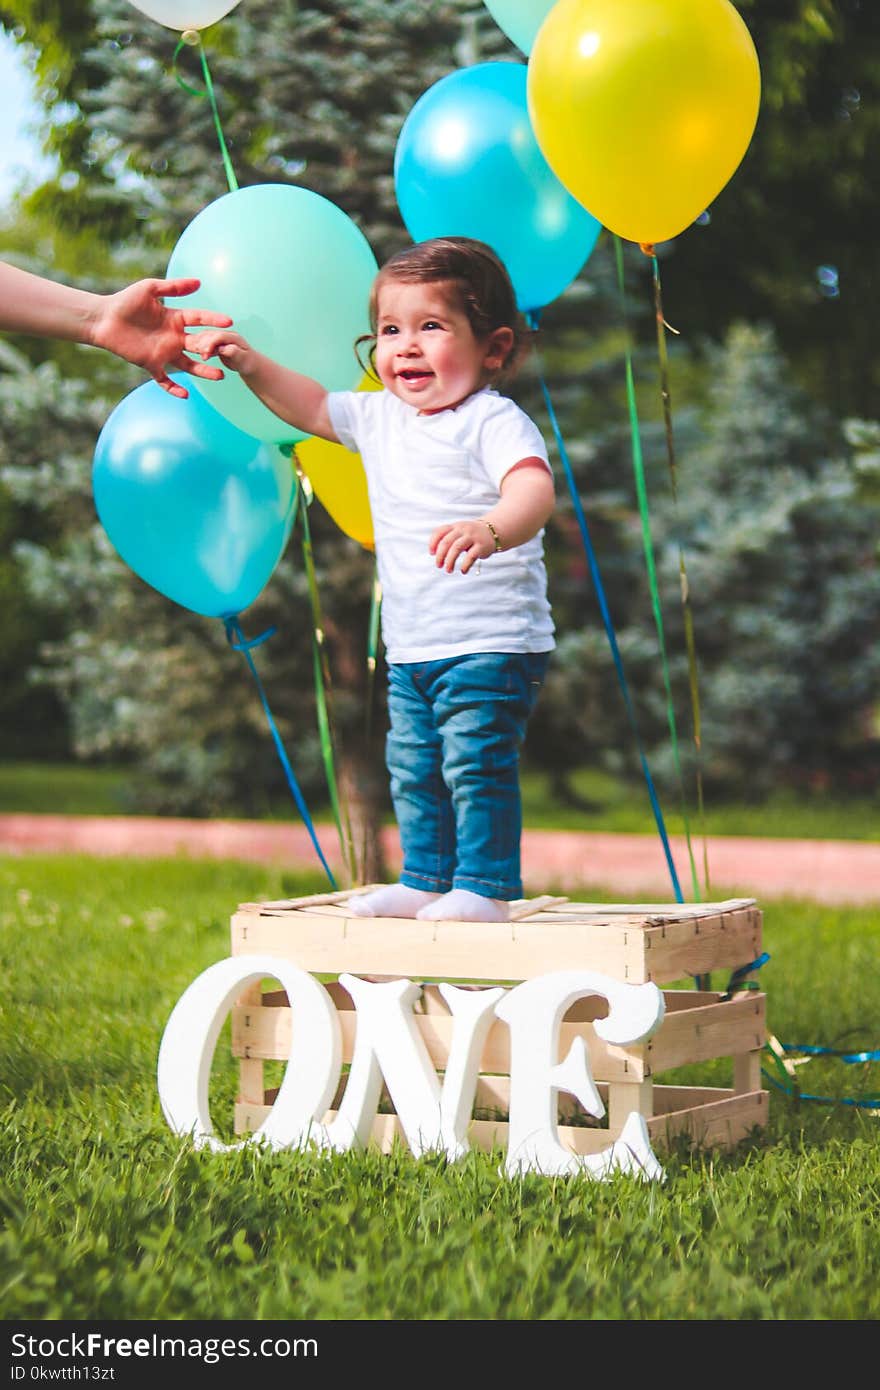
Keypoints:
pixel 663 943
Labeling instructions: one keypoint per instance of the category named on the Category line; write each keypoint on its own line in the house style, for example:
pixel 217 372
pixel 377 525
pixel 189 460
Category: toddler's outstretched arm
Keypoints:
pixel 527 500
pixel 298 399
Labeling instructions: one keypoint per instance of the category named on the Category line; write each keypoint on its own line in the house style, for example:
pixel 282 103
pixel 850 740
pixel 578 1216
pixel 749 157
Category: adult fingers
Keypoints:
pixel 186 364
pixel 204 318
pixel 173 388
pixel 186 285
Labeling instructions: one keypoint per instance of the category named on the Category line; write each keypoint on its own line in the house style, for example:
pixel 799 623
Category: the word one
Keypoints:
pixel 388 1046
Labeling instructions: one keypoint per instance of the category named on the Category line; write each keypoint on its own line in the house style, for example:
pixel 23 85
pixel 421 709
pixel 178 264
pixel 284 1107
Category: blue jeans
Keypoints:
pixel 453 755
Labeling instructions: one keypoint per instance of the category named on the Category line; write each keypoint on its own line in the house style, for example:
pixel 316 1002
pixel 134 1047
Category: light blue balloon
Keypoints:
pixel 520 19
pixel 198 509
pixel 294 272
pixel 467 164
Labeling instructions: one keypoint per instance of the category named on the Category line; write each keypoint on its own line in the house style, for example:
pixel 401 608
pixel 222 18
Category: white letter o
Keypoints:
pixel 187 1052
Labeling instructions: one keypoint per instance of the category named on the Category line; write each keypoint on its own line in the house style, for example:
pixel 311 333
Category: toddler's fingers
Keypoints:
pixel 437 537
pixel 443 548
pixel 470 555
pixel 458 547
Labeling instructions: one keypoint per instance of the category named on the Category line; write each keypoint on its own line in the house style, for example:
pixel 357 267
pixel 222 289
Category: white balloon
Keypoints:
pixel 185 14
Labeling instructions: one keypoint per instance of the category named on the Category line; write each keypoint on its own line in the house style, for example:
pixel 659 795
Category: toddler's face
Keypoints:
pixel 426 351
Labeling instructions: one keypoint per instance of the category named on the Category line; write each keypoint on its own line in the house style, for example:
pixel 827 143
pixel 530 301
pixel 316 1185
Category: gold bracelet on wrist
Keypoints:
pixel 495 536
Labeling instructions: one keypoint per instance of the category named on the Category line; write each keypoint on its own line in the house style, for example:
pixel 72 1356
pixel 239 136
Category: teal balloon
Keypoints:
pixel 197 508
pixel 467 164
pixel 520 19
pixel 294 272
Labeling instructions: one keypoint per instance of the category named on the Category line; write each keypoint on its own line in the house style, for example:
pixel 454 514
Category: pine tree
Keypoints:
pixel 783 573
pixel 315 95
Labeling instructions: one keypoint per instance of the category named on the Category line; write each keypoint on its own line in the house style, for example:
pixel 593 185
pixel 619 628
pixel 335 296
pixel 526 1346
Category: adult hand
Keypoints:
pixel 136 325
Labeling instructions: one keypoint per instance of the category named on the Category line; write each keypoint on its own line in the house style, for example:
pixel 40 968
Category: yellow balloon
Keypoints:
pixel 644 108
pixel 339 482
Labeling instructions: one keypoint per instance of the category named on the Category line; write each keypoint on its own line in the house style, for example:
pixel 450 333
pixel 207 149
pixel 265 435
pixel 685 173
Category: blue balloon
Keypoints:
pixel 197 508
pixel 467 164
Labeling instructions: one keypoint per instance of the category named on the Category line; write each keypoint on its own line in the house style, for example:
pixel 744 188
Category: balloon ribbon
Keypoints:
pixel 323 687
pixel 790 1083
pixel 687 612
pixel 647 542
pixel 607 621
pixel 209 93
pixel 372 661
pixel 236 639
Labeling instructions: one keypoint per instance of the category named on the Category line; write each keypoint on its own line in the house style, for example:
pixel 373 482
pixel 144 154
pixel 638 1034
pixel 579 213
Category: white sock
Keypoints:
pixel 464 906
pixel 393 900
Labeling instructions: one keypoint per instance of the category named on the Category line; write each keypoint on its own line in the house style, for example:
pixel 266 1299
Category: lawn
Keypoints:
pixel 603 804
pixel 107 1215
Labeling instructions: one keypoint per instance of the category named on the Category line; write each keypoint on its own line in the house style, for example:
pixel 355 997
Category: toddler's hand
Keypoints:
pixel 466 540
pixel 233 350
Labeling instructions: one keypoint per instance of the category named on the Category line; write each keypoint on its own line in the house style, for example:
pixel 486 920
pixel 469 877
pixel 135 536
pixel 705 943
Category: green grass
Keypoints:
pixel 62 789
pixel 606 804
pixel 107 1215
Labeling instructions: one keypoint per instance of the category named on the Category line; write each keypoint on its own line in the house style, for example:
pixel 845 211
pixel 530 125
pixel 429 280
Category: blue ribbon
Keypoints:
pixel 738 976
pixel 606 619
pixel 813 1050
pixel 239 643
pixel 869 1103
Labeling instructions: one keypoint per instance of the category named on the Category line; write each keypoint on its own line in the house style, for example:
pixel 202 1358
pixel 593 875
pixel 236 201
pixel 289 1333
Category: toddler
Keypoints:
pixel 466 623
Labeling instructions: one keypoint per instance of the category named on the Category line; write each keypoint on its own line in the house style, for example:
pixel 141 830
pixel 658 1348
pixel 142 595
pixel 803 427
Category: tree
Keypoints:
pixel 782 564
pixel 140 158
pixel 315 95
pixel 790 240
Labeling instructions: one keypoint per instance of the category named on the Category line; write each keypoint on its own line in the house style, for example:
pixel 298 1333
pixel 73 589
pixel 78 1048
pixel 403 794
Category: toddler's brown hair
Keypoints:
pixel 477 276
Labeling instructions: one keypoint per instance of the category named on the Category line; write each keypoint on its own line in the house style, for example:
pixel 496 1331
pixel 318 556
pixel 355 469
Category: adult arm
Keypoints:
pixel 133 323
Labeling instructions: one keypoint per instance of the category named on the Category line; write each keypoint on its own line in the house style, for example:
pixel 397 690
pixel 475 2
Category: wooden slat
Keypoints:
pixel 519 907
pixel 720 1121
pixel 687 1034
pixel 747 1072
pixel 697 947
pixel 325 941
pixel 712 1030
pixel 250 1077
pixel 267 1033
pixel 661 912
pixel 626 1096
pixel 442 950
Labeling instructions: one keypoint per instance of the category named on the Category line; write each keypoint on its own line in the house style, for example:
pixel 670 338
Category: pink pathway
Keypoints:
pixel 632 868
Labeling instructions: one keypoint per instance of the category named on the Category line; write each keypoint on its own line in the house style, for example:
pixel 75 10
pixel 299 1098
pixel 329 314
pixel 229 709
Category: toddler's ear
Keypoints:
pixel 498 347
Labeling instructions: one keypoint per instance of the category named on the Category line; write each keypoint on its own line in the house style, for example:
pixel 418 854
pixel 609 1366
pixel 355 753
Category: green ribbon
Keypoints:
pixel 231 180
pixel 687 613
pixel 648 545
pixel 323 689
pixel 370 694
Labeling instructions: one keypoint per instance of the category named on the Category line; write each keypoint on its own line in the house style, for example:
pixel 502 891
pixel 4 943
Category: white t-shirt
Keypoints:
pixel 422 471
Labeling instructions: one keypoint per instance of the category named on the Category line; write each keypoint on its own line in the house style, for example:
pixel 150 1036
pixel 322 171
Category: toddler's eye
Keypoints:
pixel 387 329
pixel 431 323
